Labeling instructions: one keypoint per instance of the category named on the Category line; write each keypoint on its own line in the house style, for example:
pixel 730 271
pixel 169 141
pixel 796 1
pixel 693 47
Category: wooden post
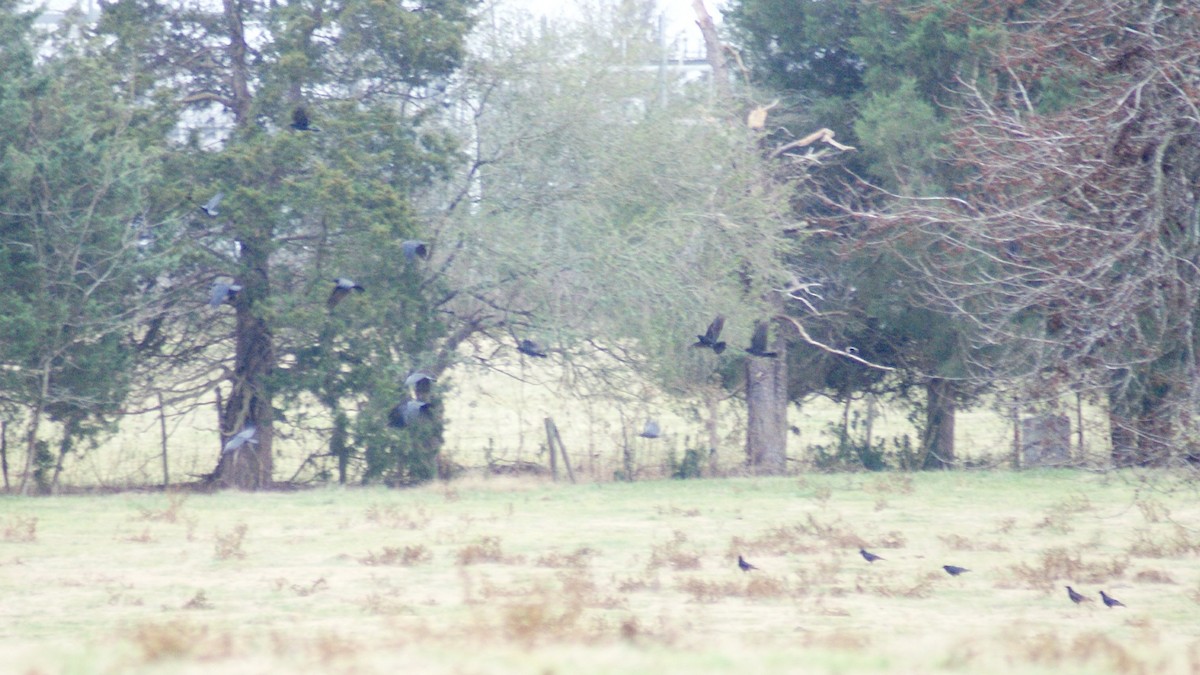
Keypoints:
pixel 562 449
pixel 550 446
pixel 1079 426
pixel 4 451
pixel 162 429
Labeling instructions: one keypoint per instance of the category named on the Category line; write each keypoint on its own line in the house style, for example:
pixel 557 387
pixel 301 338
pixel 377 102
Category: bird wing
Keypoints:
pixel 758 342
pixel 219 292
pixel 714 328
pixel 211 204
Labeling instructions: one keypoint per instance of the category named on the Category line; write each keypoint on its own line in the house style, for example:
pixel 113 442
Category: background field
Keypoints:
pixel 499 575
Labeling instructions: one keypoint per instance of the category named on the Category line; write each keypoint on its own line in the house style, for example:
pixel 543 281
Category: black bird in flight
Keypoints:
pixel 246 435
pixel 745 566
pixel 210 207
pixel 711 337
pixel 406 413
pixel 414 249
pixel 954 570
pixel 341 288
pixel 651 430
pixel 1075 596
pixel 1110 601
pixel 300 120
pixel 222 292
pixel 531 348
pixel 758 342
pixel 868 556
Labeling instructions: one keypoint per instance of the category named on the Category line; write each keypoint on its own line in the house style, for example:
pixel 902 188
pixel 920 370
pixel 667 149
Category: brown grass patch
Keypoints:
pixel 1152 576
pixel 20 529
pixel 957 542
pixel 180 639
pixel 1056 564
pixel 392 517
pixel 228 546
pixel 675 554
pixel 1178 542
pixel 406 556
pixel 484 550
pixel 578 559
pixel 169 513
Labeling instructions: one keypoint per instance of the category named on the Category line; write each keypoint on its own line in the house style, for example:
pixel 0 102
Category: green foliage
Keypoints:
pixel 901 135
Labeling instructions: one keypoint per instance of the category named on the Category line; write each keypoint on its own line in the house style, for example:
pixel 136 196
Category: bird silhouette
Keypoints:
pixel 745 566
pixel 954 570
pixel 1110 601
pixel 651 430
pixel 300 120
pixel 420 382
pixel 868 556
pixel 711 337
pixel 210 207
pixel 246 435
pixel 222 292
pixel 531 348
pixel 414 249
pixel 758 342
pixel 406 413
pixel 1076 597
pixel 341 288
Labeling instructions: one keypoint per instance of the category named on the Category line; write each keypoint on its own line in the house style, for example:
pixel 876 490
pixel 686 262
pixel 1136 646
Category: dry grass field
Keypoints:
pixel 524 576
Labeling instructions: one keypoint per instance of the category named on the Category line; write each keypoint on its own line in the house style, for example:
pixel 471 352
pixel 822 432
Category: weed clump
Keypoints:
pixel 675 554
pixel 484 550
pixel 21 529
pixel 394 555
pixel 228 546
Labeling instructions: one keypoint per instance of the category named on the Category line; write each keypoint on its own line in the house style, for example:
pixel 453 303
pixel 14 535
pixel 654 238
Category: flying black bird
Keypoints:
pixel 758 342
pixel 1109 601
pixel 531 348
pixel 222 292
pixel 341 288
pixel 745 566
pixel 414 249
pixel 246 435
pixel 404 414
pixel 210 207
pixel 711 336
pixel 651 430
pixel 954 570
pixel 868 556
pixel 420 382
pixel 1076 597
pixel 300 120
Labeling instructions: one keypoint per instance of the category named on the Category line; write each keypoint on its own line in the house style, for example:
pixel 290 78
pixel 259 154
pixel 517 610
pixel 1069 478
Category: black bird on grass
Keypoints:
pixel 341 288
pixel 758 342
pixel 210 207
pixel 406 413
pixel 300 120
pixel 531 348
pixel 868 556
pixel 246 435
pixel 414 249
pixel 711 337
pixel 954 570
pixel 745 566
pixel 222 292
pixel 1110 601
pixel 1076 597
pixel 651 430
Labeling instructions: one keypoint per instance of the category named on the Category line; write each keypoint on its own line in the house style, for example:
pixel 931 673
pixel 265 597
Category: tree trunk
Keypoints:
pixel 938 437
pixel 1141 428
pixel 766 411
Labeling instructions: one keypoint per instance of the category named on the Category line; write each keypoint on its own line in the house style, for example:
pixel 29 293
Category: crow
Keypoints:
pixel 868 556
pixel 954 570
pixel 1076 597
pixel 758 342
pixel 711 336
pixel 745 566
pixel 222 292
pixel 341 288
pixel 531 348
pixel 210 207
pixel 246 435
pixel 300 120
pixel 404 414
pixel 651 430
pixel 420 382
pixel 414 249
pixel 1109 601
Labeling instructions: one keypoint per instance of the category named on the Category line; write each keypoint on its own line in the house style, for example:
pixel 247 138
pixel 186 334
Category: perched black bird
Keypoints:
pixel 954 570
pixel 531 348
pixel 414 249
pixel 868 556
pixel 711 337
pixel 341 288
pixel 420 382
pixel 745 566
pixel 758 342
pixel 246 435
pixel 404 414
pixel 222 292
pixel 1109 601
pixel 651 430
pixel 300 120
pixel 210 207
pixel 1076 597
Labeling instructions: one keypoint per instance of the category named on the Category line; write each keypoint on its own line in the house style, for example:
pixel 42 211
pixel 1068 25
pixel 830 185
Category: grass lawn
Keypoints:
pixel 496 576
